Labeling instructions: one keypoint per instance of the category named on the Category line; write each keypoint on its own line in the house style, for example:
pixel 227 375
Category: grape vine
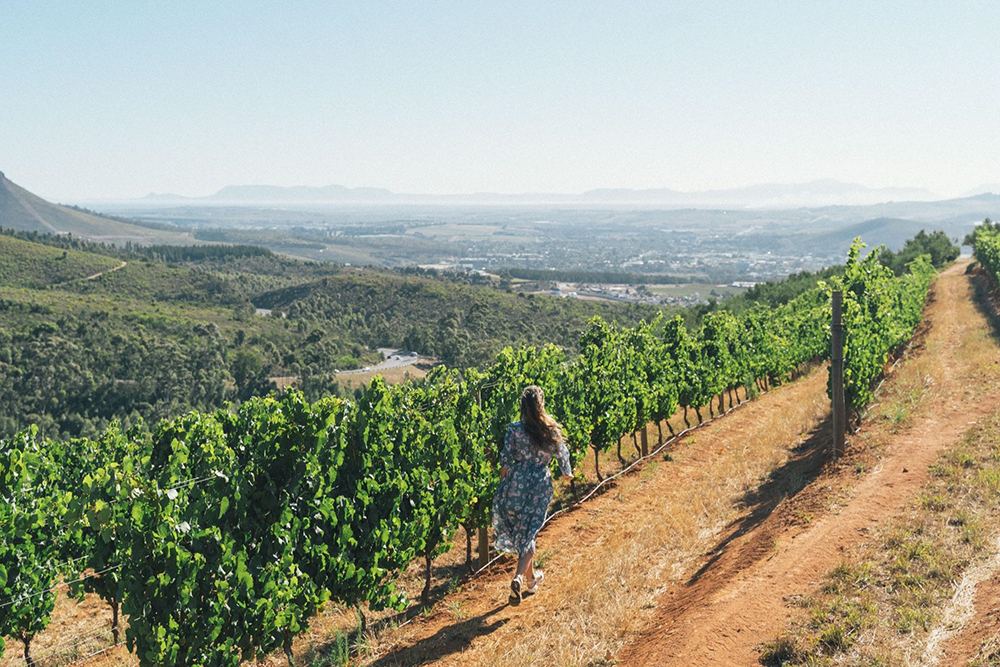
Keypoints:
pixel 221 534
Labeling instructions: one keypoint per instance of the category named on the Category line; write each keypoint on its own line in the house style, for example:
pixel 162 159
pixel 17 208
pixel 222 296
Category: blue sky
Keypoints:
pixel 117 99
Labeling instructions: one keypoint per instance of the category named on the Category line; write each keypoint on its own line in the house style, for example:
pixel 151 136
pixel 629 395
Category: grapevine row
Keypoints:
pixel 221 534
pixel 987 248
pixel 880 312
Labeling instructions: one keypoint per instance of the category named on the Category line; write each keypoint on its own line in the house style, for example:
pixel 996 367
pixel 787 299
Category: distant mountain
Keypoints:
pixel 166 196
pixel 274 193
pixel 985 188
pixel 940 213
pixel 814 193
pixel 771 195
pixel 22 210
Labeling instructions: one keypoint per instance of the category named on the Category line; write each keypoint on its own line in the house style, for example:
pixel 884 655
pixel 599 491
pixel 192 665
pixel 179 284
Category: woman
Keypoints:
pixel 525 490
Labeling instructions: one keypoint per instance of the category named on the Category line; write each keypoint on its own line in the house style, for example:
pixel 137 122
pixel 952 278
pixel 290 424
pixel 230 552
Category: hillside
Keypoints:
pixel 169 329
pixel 892 232
pixel 22 210
pixel 461 324
pixel 26 264
pixel 145 339
pixel 456 318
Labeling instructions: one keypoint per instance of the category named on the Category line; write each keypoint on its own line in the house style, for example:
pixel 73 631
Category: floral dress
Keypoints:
pixel 523 496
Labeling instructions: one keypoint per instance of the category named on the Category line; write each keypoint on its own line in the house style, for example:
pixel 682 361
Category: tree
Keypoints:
pixel 936 244
pixel 249 375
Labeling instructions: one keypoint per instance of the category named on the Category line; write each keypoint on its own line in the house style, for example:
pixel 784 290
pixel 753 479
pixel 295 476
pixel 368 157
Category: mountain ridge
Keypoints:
pixel 983 189
pixel 23 210
pixel 822 192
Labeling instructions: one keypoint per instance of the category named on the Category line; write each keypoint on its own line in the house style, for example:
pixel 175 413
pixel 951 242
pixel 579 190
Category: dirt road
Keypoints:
pixel 94 276
pixel 111 270
pixel 742 594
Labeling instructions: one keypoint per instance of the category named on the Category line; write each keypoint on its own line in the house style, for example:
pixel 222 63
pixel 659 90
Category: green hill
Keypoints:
pixel 22 210
pixel 175 329
pixel 465 325
pixel 151 340
pixel 26 264
pixel 893 232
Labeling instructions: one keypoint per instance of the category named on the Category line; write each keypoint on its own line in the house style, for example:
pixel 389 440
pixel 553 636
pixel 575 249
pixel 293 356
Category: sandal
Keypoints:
pixel 515 590
pixel 533 587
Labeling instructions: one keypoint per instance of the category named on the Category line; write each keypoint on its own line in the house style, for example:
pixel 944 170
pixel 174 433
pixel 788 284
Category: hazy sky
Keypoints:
pixel 117 99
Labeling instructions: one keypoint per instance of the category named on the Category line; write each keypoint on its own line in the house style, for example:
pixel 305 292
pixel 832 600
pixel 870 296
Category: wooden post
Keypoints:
pixel 837 376
pixel 483 547
pixel 644 441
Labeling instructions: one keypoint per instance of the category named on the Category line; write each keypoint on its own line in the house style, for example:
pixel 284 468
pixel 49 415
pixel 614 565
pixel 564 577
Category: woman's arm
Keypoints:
pixel 507 452
pixel 565 464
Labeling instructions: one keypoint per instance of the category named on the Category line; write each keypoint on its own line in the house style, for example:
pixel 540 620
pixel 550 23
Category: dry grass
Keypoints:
pixel 989 652
pixel 360 380
pixel 896 600
pixel 674 509
pixel 391 375
pixel 649 532
pixel 79 630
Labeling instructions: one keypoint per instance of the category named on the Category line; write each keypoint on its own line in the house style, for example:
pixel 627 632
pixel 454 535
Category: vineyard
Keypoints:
pixel 220 535
pixel 986 245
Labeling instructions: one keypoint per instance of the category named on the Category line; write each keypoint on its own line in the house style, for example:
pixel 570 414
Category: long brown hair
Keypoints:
pixel 543 430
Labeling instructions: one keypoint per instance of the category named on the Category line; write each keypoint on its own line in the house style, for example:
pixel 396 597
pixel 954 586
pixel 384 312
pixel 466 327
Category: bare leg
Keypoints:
pixel 525 564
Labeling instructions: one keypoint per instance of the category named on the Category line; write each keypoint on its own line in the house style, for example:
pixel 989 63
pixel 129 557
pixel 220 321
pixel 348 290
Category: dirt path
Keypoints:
pixel 112 270
pixel 970 630
pixel 742 594
pixel 606 562
pixel 973 619
pixel 980 637
pixel 94 276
